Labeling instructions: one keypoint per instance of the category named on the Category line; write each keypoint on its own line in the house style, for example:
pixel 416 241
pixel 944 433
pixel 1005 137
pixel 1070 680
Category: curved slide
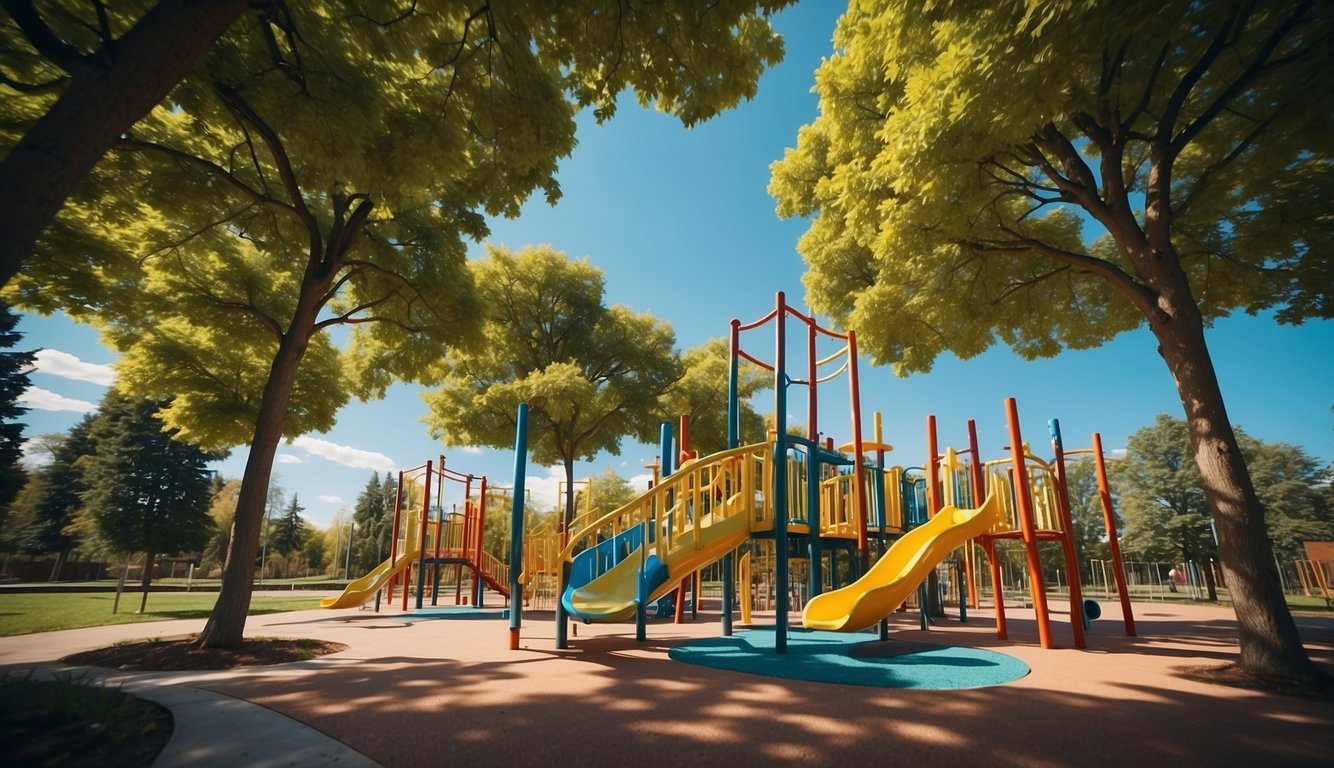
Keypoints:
pixel 364 588
pixel 615 595
pixel 895 575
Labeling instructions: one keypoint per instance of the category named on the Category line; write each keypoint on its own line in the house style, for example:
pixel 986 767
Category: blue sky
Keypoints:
pixel 682 225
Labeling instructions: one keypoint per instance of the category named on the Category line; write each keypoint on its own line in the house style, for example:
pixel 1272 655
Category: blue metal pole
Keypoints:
pixel 733 441
pixel 516 525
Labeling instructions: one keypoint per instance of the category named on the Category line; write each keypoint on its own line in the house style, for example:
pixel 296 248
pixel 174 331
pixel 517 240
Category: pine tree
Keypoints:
pixel 14 367
pixel 146 491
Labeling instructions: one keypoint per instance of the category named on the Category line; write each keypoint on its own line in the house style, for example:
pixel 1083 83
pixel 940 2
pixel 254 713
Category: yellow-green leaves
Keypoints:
pixel 979 172
pixel 591 374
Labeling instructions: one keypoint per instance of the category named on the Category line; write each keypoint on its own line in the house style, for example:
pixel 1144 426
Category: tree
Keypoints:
pixel 53 497
pixel 315 549
pixel 701 394
pixel 373 514
pixel 147 491
pixel 81 87
pixel 14 367
pixel 1295 491
pixel 1081 482
pixel 289 533
pixel 961 149
pixel 608 491
pixel 305 212
pixel 591 374
pixel 222 510
pixel 1162 496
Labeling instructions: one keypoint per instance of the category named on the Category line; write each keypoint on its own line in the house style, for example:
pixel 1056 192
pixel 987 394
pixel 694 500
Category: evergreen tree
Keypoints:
pixel 14 367
pixel 146 491
pixel 373 516
pixel 52 500
pixel 289 531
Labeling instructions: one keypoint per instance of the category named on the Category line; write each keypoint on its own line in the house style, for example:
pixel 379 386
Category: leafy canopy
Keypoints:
pixel 591 374
pixel 967 154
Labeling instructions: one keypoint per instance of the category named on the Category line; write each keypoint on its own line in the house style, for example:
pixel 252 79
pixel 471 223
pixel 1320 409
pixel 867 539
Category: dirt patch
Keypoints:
pixel 1231 675
pixel 171 654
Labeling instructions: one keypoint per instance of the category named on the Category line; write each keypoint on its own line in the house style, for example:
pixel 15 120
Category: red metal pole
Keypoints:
pixel 812 401
pixel 421 535
pixel 859 455
pixel 979 493
pixel 1026 525
pixel 1109 519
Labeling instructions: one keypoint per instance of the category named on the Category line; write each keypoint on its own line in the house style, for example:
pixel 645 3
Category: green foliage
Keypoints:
pixel 1090 527
pixel 701 394
pixel 373 514
pixel 592 375
pixel 53 497
pixel 961 149
pixel 146 490
pixel 14 367
pixel 222 510
pixel 606 491
pixel 1296 494
pixel 1161 495
pixel 289 532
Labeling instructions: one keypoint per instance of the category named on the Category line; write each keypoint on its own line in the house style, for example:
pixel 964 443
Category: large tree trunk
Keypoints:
pixel 108 91
pixel 1268 635
pixel 226 624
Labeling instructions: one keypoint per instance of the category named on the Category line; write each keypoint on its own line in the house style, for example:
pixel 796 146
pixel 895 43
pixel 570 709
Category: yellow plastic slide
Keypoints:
pixel 890 581
pixel 613 596
pixel 364 588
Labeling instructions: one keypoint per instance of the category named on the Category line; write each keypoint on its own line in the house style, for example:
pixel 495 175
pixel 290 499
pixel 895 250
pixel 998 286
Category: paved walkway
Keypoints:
pixel 417 691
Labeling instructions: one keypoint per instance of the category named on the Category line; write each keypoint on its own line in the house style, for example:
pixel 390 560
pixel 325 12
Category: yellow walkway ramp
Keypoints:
pixel 889 582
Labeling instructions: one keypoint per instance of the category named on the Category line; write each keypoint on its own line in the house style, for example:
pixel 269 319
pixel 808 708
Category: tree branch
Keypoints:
pixel 131 143
pixel 1238 85
pixel 42 37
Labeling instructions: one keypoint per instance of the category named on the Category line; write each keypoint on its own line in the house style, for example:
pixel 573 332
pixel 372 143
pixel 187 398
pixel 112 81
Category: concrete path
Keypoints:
pixel 412 690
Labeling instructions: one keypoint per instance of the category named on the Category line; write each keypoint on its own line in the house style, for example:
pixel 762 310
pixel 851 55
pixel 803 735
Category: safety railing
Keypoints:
pixel 698 496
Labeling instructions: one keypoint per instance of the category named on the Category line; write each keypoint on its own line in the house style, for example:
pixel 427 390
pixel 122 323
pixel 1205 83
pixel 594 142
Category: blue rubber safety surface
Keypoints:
pixel 853 658
pixel 453 612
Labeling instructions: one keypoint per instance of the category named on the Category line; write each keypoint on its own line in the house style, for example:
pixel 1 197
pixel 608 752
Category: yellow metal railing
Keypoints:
pixel 1042 488
pixel 698 496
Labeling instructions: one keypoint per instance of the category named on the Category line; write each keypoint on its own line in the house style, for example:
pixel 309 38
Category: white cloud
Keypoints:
pixel 67 366
pixel 46 400
pixel 287 458
pixel 35 455
pixel 640 482
pixel 345 455
pixel 472 449
pixel 544 490
pixel 330 498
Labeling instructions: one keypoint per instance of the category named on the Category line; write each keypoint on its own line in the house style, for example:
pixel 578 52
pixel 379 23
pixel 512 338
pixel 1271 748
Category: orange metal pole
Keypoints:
pixel 933 504
pixel 1109 519
pixel 1025 499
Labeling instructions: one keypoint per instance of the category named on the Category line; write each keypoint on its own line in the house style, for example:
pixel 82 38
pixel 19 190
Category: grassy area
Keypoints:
pixel 25 613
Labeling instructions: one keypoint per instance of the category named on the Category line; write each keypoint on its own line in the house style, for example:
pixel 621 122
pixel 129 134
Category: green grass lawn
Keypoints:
pixel 25 613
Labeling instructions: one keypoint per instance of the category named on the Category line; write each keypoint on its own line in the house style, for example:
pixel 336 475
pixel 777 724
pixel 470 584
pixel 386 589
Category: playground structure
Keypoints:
pixel 863 537
pixel 422 547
